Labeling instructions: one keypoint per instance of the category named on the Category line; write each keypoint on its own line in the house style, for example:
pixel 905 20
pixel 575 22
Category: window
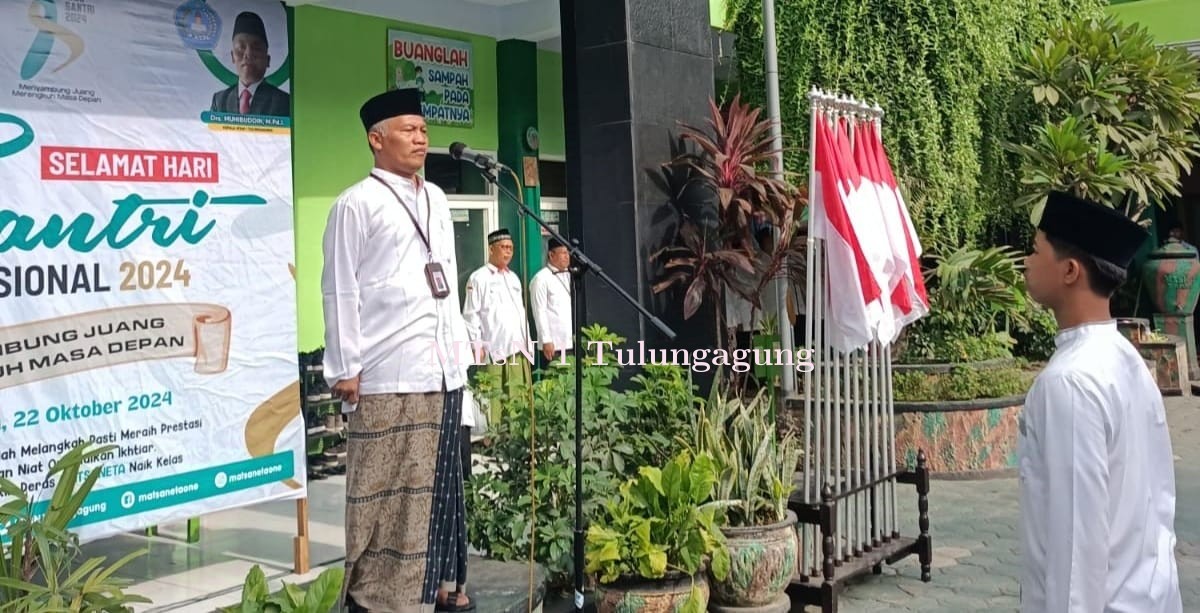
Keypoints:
pixel 553 177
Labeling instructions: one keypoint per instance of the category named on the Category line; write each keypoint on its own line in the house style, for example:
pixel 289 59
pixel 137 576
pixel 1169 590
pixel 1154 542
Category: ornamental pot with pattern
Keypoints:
pixel 1171 275
pixel 639 595
pixel 762 561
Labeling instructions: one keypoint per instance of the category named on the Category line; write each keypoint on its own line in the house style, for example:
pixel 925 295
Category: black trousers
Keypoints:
pixel 466 450
pixel 556 360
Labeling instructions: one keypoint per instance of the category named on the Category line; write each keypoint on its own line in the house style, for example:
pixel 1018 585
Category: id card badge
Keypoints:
pixel 437 280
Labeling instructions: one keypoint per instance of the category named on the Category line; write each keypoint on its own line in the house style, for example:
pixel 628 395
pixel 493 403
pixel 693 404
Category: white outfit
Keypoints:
pixel 1097 482
pixel 550 300
pixel 494 312
pixel 381 319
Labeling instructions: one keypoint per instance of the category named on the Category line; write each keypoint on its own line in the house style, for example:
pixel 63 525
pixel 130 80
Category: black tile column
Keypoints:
pixel 632 71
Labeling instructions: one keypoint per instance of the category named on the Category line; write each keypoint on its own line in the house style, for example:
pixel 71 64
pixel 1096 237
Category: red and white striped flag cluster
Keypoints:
pixel 872 251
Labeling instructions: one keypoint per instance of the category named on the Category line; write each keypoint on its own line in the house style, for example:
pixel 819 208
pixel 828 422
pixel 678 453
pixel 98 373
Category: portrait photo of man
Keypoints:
pixel 251 95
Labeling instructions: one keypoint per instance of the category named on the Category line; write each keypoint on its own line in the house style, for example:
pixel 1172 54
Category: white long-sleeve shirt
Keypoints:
pixel 1097 482
pixel 382 322
pixel 494 312
pixel 550 301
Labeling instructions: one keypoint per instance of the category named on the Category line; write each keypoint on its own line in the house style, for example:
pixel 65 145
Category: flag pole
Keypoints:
pixel 780 283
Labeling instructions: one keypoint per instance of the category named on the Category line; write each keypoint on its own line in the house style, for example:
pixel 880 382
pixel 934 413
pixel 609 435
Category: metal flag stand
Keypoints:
pixel 845 498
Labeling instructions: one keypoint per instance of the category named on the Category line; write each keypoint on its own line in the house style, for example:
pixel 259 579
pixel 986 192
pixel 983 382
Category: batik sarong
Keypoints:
pixel 405 515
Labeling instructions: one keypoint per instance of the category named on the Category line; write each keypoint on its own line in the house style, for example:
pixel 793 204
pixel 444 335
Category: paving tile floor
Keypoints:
pixel 976 551
pixel 973 525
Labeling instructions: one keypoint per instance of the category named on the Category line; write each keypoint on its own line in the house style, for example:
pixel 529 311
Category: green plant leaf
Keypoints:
pixel 324 592
pixel 254 590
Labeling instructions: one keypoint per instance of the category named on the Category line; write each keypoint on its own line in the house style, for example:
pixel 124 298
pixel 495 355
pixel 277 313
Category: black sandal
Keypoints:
pixel 446 608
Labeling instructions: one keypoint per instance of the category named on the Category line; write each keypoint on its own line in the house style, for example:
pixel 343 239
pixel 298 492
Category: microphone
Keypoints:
pixel 460 151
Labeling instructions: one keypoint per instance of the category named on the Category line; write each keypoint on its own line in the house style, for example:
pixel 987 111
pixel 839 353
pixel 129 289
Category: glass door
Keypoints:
pixel 472 223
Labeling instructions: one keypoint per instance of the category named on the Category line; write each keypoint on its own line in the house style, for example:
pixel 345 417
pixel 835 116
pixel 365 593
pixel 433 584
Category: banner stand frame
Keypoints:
pixel 301 563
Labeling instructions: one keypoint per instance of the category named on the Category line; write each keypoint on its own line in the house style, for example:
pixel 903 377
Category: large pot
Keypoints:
pixel 1171 275
pixel 664 595
pixel 762 561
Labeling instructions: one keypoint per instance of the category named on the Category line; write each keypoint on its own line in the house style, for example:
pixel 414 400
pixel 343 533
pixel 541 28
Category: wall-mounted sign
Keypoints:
pixel 441 68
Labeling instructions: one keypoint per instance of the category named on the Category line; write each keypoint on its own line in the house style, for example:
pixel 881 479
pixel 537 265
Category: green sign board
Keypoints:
pixel 441 68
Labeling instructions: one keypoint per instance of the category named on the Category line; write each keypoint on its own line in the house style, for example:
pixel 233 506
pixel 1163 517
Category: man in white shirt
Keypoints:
pixel 494 312
pixel 1096 467
pixel 396 353
pixel 550 301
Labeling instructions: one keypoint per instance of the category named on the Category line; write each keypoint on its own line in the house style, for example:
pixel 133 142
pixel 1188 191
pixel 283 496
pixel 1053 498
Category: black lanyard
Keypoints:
pixel 416 224
pixel 565 284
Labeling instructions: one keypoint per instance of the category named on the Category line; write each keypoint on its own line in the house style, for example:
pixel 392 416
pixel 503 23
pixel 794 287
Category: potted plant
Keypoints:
pixel 755 472
pixel 650 544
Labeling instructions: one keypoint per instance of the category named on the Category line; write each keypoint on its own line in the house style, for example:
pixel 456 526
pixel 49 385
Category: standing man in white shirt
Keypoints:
pixel 494 312
pixel 550 301
pixel 392 328
pixel 1096 467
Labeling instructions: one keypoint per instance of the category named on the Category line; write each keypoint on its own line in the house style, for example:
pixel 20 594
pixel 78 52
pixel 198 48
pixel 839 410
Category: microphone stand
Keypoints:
pixel 581 264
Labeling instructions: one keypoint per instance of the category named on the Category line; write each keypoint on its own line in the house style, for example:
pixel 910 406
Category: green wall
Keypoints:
pixel 339 61
pixel 1169 21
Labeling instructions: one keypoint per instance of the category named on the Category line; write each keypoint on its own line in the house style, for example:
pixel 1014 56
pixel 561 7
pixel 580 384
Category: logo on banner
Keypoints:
pixel 43 14
pixel 198 25
pixel 19 142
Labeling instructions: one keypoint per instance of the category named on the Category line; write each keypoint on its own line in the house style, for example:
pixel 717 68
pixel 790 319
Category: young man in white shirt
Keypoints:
pixel 1096 467
pixel 396 353
pixel 550 301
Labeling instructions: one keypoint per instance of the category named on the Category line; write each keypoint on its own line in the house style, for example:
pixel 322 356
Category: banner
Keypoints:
pixel 440 68
pixel 147 297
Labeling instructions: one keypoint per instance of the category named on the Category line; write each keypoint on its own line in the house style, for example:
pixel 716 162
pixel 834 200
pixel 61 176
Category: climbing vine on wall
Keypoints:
pixel 943 70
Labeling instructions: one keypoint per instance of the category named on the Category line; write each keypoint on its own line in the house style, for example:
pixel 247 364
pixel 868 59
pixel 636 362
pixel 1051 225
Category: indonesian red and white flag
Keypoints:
pixel 904 306
pixel 853 295
pixel 880 226
pixel 909 299
pixel 864 209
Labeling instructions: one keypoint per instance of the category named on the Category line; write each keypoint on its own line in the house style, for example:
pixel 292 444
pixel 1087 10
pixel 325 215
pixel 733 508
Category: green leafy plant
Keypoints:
pixel 663 521
pixel 530 499
pixel 755 468
pixel 1118 115
pixel 977 299
pixel 320 597
pixel 40 570
pixel 944 72
pixel 725 201
pixel 1035 342
pixel 961 383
